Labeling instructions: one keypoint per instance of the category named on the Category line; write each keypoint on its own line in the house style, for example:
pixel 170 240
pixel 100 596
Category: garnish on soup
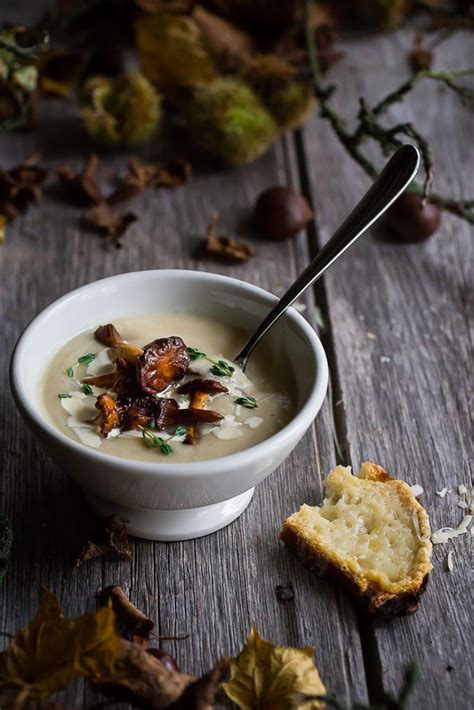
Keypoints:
pixel 164 398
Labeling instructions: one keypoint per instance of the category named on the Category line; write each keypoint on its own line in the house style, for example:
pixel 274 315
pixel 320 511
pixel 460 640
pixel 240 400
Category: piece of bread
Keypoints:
pixel 370 534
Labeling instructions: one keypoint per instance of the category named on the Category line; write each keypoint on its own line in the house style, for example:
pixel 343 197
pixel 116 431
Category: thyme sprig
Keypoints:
pixel 220 368
pixel 155 442
pixel 388 138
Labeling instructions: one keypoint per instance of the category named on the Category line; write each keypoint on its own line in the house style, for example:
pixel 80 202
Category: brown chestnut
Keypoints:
pixel 281 212
pixel 412 221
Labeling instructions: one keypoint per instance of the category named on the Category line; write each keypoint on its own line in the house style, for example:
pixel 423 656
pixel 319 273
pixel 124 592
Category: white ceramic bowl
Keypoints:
pixel 167 501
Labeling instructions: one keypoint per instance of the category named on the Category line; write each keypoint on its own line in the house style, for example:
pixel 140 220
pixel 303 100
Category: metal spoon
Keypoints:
pixel 394 178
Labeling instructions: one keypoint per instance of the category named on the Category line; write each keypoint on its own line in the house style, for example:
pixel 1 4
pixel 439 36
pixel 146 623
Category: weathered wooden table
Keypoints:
pixel 396 332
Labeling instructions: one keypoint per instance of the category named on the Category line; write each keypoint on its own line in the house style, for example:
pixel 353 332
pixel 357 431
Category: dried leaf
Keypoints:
pixel 82 187
pixel 116 544
pixel 132 619
pixel 327 54
pixel 52 652
pixel 201 694
pixel 143 679
pixel 173 174
pixel 421 57
pixel 109 223
pixel 20 186
pixel 227 246
pixel 272 677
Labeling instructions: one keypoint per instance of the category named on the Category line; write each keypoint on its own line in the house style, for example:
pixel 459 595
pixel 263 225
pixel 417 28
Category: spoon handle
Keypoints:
pixel 392 181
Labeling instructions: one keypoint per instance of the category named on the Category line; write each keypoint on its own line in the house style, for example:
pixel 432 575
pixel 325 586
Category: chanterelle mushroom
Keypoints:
pixel 200 391
pixel 162 362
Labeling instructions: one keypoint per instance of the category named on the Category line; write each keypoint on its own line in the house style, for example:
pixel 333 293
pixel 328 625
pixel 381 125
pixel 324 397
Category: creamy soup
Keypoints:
pixel 246 409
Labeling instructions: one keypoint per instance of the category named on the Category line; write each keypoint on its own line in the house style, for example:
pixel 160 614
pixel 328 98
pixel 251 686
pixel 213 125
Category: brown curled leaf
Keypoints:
pixel 163 361
pixel 137 179
pixel 82 187
pixel 142 679
pixel 20 186
pixel 226 246
pixel 201 694
pixel 108 223
pixel 116 543
pixel 421 56
pixel 135 623
pixel 108 335
pixel 109 414
pixel 141 176
pixel 173 174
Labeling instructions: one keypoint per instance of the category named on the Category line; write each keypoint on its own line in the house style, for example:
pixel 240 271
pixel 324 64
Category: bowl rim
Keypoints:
pixel 294 428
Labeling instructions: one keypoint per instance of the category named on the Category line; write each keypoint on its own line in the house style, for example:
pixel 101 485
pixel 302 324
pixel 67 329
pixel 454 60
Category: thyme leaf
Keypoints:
pixel 87 389
pixel 196 354
pixel 247 402
pixel 70 372
pixel 64 395
pixel 221 368
pixel 86 359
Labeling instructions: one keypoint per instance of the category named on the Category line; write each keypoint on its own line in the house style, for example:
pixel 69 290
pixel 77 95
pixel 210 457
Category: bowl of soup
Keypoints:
pixel 130 384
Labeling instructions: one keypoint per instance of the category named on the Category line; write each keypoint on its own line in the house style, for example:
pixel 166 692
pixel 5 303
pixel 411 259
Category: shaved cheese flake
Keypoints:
pixel 442 492
pixel 253 422
pixel 462 490
pixel 462 504
pixel 417 490
pixel 88 437
pixel 102 363
pixel 442 535
pixel 449 561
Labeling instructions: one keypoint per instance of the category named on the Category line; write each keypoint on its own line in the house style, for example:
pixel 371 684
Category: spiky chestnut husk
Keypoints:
pixel 172 53
pixel 370 14
pixel 287 97
pixel 227 119
pixel 123 111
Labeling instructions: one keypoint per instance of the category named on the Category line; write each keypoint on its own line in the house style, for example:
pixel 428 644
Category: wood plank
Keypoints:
pixel 405 389
pixel 213 588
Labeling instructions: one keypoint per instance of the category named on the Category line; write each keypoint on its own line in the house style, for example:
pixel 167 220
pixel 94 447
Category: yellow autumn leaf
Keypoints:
pixel 270 677
pixel 51 652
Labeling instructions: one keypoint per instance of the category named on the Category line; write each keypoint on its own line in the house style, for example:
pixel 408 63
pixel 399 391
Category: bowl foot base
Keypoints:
pixel 173 525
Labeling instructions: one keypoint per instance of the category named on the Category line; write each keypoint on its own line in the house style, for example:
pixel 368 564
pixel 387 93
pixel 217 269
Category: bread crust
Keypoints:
pixel 387 600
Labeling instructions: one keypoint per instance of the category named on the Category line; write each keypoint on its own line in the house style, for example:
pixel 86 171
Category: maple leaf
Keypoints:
pixel 51 652
pixel 272 677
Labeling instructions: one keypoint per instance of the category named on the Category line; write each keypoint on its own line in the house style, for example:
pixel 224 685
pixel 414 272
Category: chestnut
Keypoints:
pixel 412 221
pixel 282 212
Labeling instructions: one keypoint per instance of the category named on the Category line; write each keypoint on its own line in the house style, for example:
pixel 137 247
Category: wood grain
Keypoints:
pixel 399 319
pixel 214 588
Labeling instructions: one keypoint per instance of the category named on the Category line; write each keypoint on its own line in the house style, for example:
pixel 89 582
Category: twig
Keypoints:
pixel 387 138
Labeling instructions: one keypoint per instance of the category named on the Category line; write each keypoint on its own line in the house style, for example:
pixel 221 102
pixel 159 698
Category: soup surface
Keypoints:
pixel 247 409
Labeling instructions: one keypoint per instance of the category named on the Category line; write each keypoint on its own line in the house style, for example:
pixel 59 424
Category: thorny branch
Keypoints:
pixel 388 138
